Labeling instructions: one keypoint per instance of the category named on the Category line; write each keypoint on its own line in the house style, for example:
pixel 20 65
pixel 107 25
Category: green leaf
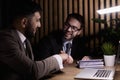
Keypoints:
pixel 108 48
pixel 97 20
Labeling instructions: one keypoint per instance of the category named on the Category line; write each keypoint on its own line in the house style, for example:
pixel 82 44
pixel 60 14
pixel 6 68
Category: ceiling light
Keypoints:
pixel 109 10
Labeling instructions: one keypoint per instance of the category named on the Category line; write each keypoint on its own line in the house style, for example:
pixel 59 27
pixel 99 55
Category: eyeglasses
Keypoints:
pixel 74 28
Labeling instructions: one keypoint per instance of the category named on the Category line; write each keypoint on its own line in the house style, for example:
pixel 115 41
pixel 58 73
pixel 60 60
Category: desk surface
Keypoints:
pixel 70 71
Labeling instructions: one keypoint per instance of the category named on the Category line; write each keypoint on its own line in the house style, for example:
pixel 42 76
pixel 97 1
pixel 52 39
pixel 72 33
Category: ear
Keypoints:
pixel 79 32
pixel 24 22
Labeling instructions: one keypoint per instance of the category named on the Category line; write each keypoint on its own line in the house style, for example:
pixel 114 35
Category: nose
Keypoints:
pixel 69 29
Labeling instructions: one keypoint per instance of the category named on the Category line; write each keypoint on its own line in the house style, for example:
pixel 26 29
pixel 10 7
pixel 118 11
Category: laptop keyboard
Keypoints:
pixel 102 73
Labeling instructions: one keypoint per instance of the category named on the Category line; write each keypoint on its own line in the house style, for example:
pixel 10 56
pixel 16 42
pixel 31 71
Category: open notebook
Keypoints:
pixel 92 73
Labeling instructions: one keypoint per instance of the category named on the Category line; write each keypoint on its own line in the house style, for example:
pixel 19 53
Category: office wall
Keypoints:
pixel 55 12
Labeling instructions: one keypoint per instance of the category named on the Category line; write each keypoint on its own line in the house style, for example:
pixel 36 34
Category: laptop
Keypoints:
pixel 93 73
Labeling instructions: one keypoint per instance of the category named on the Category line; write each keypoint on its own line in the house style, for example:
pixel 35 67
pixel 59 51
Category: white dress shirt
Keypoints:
pixel 64 46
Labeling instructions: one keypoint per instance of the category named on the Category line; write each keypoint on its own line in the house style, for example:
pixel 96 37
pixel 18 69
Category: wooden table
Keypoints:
pixel 70 71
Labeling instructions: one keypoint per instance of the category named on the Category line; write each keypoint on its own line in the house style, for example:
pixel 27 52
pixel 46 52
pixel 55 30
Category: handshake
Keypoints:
pixel 67 59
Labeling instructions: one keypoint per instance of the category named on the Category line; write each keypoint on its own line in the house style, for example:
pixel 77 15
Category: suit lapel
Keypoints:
pixel 22 47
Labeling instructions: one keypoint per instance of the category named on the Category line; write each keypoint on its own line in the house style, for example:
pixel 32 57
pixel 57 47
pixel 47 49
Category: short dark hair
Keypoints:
pixel 25 7
pixel 77 16
pixel 19 8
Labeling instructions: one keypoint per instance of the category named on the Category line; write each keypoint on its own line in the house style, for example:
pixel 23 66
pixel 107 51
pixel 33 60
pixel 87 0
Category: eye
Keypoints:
pixel 66 24
pixel 74 28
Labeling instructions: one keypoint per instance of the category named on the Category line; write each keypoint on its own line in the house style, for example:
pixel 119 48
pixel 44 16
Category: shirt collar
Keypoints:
pixel 67 41
pixel 22 37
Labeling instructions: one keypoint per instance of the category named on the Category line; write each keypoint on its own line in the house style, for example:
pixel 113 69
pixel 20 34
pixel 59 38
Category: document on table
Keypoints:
pixel 94 63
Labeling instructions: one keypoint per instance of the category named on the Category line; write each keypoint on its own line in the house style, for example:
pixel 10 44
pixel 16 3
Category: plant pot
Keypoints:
pixel 109 60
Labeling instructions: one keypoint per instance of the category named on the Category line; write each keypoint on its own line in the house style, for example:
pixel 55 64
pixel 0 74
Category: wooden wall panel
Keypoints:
pixel 113 4
pixel 118 3
pixel 56 11
pixel 70 6
pixel 60 7
pixel 75 4
pixel 50 18
pixel 65 2
pixel 46 10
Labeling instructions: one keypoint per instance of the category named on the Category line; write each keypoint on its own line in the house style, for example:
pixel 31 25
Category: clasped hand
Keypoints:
pixel 67 59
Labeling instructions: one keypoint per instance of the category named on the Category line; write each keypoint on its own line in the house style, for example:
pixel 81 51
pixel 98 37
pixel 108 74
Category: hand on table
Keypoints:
pixel 86 58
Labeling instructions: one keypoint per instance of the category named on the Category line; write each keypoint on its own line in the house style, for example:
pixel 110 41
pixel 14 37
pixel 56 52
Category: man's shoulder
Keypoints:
pixel 8 32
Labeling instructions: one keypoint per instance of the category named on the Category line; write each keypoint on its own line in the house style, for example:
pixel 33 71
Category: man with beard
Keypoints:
pixel 67 40
pixel 16 56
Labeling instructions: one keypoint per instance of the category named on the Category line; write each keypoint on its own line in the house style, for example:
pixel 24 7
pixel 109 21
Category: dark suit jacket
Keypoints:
pixel 52 44
pixel 15 65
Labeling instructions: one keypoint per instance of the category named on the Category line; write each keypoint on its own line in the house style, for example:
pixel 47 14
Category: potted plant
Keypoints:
pixel 109 53
pixel 111 31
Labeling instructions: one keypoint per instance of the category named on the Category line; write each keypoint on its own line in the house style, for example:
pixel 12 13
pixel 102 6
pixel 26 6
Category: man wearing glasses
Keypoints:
pixel 68 40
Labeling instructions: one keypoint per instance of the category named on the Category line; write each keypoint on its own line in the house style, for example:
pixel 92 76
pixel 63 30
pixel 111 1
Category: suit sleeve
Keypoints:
pixel 47 66
pixel 12 56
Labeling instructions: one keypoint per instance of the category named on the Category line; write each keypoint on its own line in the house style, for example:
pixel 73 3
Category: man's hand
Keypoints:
pixel 67 59
pixel 86 58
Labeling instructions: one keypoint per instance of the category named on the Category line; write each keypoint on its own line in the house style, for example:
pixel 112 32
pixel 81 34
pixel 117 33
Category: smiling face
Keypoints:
pixel 72 28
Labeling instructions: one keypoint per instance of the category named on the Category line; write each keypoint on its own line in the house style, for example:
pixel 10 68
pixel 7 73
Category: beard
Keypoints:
pixel 29 31
pixel 29 34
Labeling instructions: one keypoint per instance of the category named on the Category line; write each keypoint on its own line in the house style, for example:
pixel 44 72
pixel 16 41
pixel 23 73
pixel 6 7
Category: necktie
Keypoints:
pixel 28 49
pixel 68 48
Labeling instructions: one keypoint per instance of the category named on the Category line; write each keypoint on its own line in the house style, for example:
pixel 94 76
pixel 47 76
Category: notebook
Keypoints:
pixel 92 73
pixel 93 63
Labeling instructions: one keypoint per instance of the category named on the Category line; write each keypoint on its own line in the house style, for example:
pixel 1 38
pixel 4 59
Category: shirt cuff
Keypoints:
pixel 59 60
